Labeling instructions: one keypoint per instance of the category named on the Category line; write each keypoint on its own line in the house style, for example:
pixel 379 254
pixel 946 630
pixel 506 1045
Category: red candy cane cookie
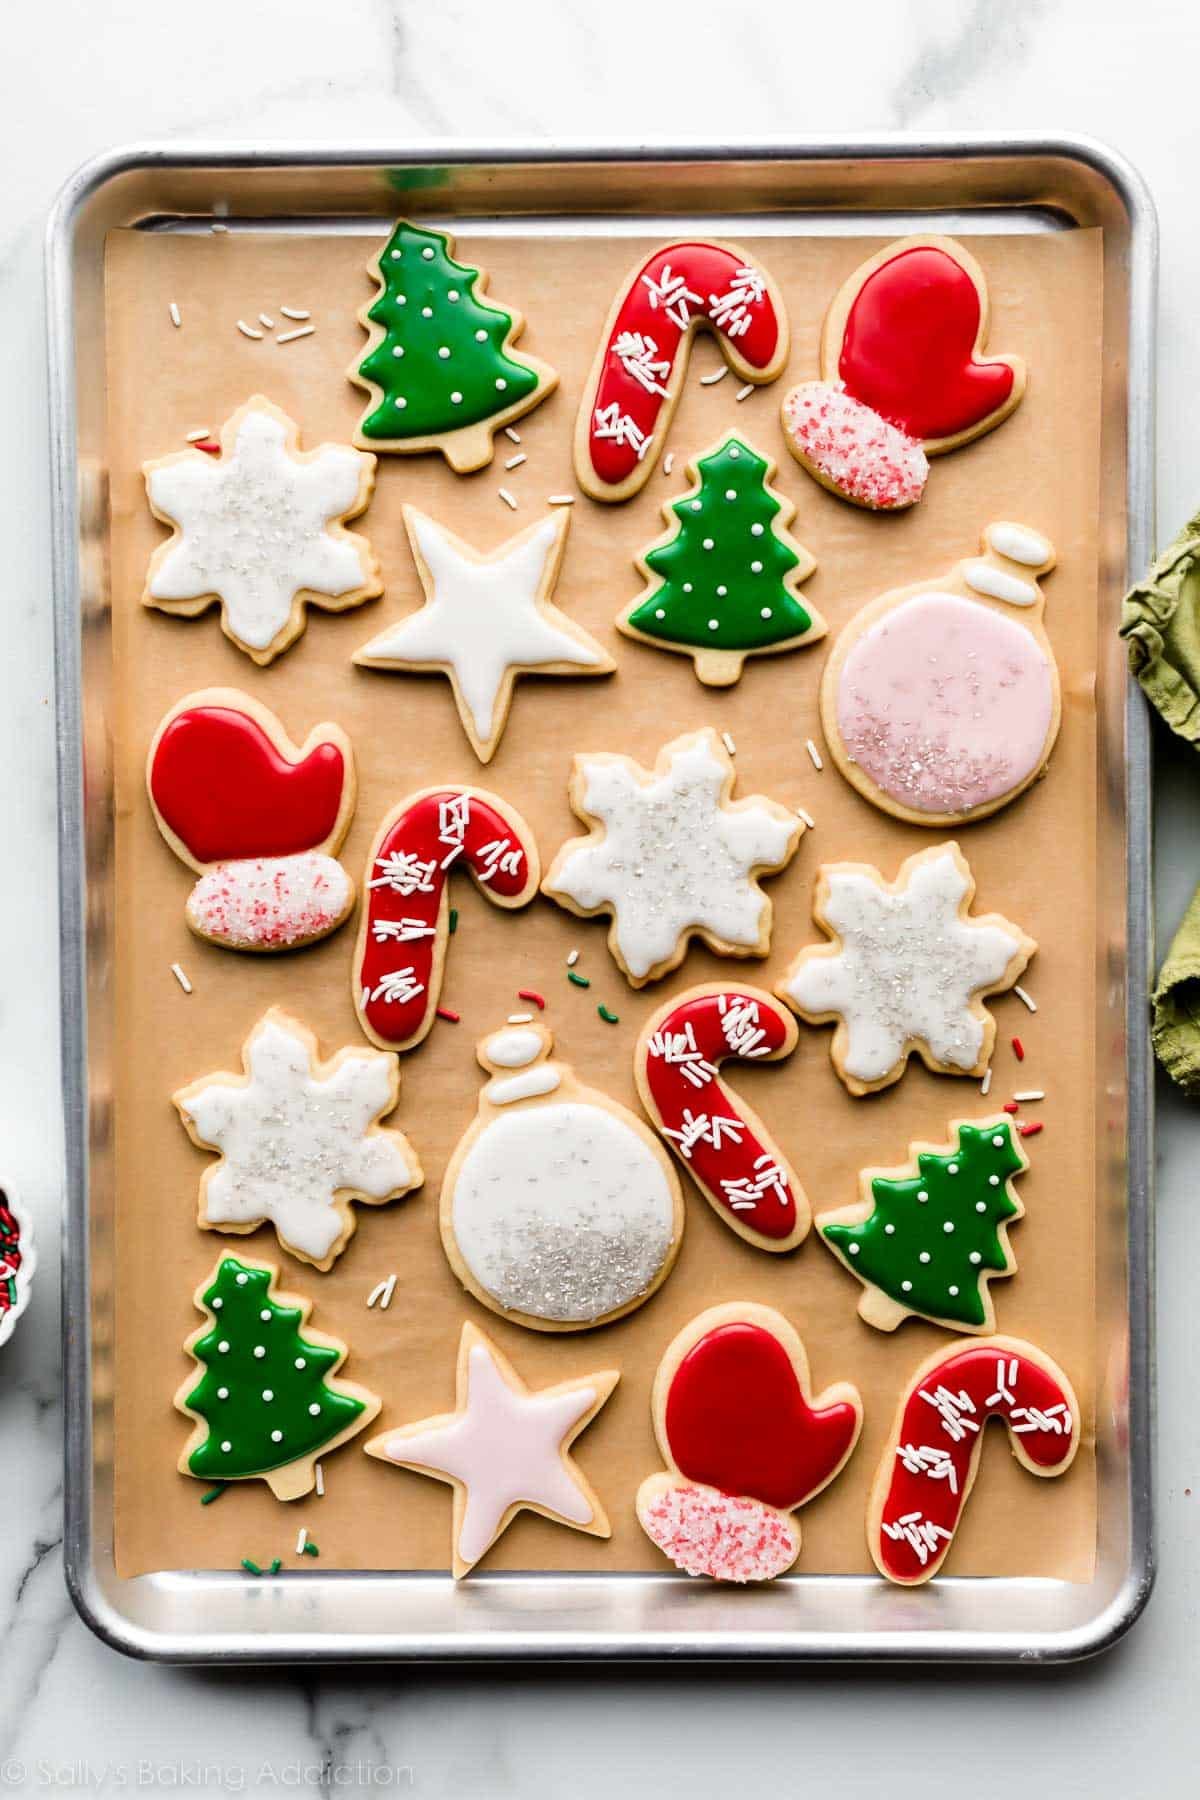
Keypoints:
pixel 639 371
pixel 397 974
pixel 932 1457
pixel 746 1443
pixel 722 1142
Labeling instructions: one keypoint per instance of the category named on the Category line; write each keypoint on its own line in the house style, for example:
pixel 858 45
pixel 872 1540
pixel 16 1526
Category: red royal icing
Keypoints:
pixel 679 284
pixel 737 1420
pixel 908 347
pixel 223 788
pixel 700 1118
pixel 398 976
pixel 941 1431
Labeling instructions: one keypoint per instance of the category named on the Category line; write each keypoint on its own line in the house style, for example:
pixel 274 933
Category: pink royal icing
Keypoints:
pixel 945 704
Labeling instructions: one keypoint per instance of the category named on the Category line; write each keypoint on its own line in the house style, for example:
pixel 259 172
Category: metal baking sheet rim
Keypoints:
pixel 310 1618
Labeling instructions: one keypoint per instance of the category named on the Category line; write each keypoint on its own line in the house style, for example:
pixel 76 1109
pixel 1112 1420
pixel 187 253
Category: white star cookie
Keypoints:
pixel 670 856
pixel 261 530
pixel 505 1448
pixel 298 1139
pixel 908 969
pixel 485 619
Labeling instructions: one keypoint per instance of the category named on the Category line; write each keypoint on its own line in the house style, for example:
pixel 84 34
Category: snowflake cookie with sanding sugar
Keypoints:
pixel 261 529
pixel 671 856
pixel 298 1139
pixel 908 969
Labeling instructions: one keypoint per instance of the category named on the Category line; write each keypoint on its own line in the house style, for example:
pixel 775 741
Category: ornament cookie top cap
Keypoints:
pixel 903 375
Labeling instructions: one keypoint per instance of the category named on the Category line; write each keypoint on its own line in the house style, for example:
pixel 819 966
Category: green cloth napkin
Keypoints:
pixel 1160 622
pixel 1175 1005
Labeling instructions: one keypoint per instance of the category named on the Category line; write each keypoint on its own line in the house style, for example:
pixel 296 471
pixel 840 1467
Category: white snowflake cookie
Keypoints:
pixel 908 969
pixel 261 530
pixel 298 1139
pixel 670 856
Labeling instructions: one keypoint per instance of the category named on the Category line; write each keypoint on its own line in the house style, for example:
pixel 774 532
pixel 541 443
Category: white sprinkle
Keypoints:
pixel 806 816
pixel 744 393
pixel 217 226
pixel 513 436
pixel 181 978
pixel 572 959
pixel 295 312
pixel 729 743
pixel 288 337
pixel 520 1018
pixel 668 462
pixel 382 1291
pixel 176 315
pixel 320 1474
pixel 302 1540
pixel 817 764
pixel 1030 1094
pixel 265 319
pixel 507 498
pixel 193 437
pixel 717 375
pixel 1023 997
pixel 250 331
pixel 561 500
pixel 986 1083
pixel 514 462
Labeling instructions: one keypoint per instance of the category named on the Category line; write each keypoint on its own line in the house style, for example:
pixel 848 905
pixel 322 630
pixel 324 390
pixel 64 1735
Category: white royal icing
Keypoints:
pixel 291 1142
pixel 907 968
pixel 522 1087
pixel 514 1049
pixel 673 858
pixel 254 527
pixel 562 1211
pixel 1019 544
pixel 482 618
pixel 999 584
pixel 505 1448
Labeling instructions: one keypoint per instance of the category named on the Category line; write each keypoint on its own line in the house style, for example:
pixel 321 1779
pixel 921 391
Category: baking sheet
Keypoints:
pixel 1032 862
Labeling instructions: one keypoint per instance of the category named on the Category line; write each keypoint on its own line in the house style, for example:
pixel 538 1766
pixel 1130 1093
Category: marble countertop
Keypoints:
pixel 80 77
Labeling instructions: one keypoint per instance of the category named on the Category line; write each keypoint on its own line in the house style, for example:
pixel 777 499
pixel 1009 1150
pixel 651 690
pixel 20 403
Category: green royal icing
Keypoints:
pixel 722 574
pixel 231 1395
pixel 441 362
pixel 886 1249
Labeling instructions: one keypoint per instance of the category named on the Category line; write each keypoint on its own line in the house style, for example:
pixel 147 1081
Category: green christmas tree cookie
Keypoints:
pixel 721 583
pixel 440 367
pixel 265 1403
pixel 927 1238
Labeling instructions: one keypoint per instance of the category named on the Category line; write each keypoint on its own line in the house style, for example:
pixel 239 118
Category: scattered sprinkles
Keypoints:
pixel 729 743
pixel 1031 1130
pixel 265 319
pixel 181 978
pixel 814 754
pixel 572 958
pixel 520 1018
pixel 539 999
pixel 744 393
pixel 717 375
pixel 288 337
pixel 295 312
pixel 1024 998
pixel 310 1549
pixel 561 500
pixel 806 816
pixel 382 1291
pixel 176 315
pixel 276 1565
pixel 507 498
pixel 985 1084
pixel 514 462
pixel 453 920
pixel 208 445
pixel 1010 1106
pixel 320 1474
pixel 250 1566
pixel 193 437
pixel 668 462
pixel 448 1013
pixel 515 436
pixel 1018 1049
pixel 1031 1094
pixel 302 1540
pixel 579 980
pixel 610 1018
pixel 250 331
pixel 214 1493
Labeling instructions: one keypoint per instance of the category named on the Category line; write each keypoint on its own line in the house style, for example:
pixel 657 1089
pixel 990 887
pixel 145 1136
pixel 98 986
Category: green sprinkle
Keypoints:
pixel 609 1018
pixel 276 1565
pixel 453 920
pixel 251 1568
pixel 310 1549
pixel 579 980
pixel 213 1493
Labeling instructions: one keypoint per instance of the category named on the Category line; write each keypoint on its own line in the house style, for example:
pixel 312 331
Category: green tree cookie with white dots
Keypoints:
pixel 721 583
pixel 928 1238
pixel 440 365
pixel 266 1403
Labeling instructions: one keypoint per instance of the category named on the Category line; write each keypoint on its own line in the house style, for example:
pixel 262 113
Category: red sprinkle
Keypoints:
pixel 1018 1050
pixel 448 1012
pixel 1010 1106
pixel 529 994
pixel 1030 1130
pixel 207 445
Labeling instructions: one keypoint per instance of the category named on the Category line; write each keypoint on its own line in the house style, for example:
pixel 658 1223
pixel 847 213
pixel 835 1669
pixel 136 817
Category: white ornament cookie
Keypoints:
pixel 670 856
pixel 504 1449
pixel 559 1208
pixel 486 619
pixel 908 968
pixel 261 530
pixel 298 1139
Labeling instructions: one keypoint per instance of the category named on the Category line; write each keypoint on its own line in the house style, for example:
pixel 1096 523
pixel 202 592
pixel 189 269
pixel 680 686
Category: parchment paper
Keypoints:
pixel 1033 862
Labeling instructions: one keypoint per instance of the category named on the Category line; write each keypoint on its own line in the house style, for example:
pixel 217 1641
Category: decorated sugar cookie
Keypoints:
pixel 505 1449
pixel 400 954
pixel 722 1142
pixel 298 1139
pixel 908 968
pixel 18 1260
pixel 903 375
pixel 641 365
pixel 746 1444
pixel 559 1209
pixel 927 1239
pixel 261 530
pixel 486 619
pixel 941 701
pixel 929 1466
pixel 721 583
pixel 441 366
pixel 258 818
pixel 670 856
pixel 267 1400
